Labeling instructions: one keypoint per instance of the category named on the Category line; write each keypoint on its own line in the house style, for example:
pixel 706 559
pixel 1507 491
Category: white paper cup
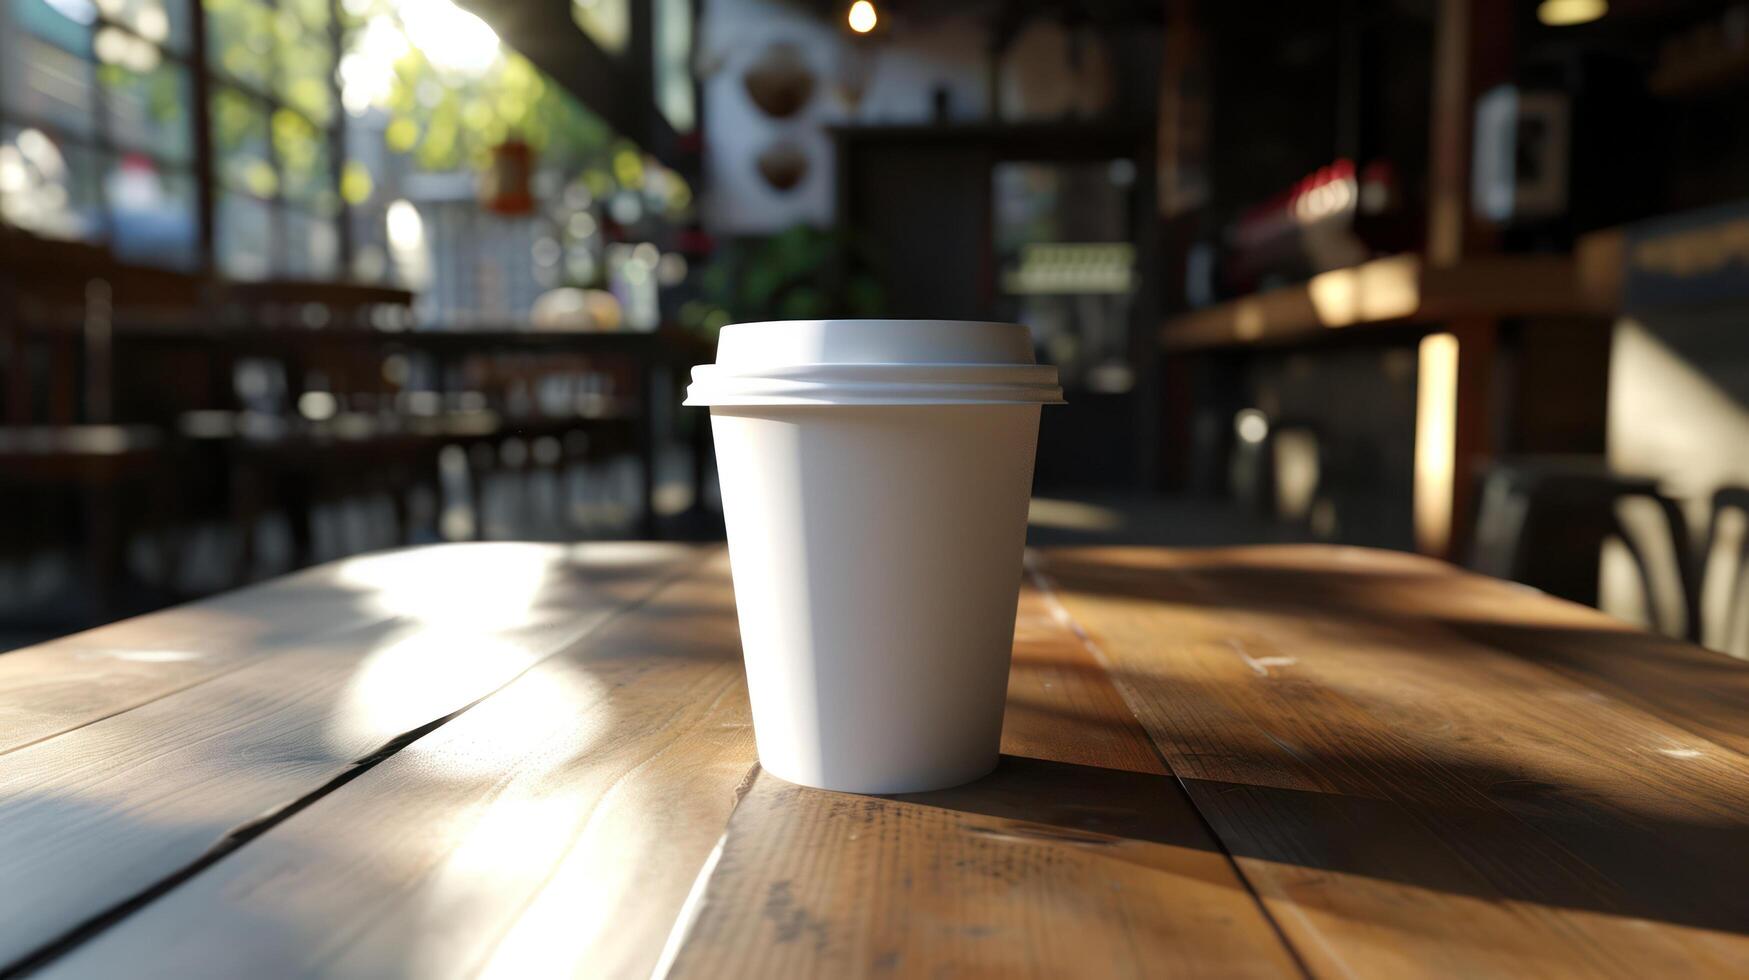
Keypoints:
pixel 875 478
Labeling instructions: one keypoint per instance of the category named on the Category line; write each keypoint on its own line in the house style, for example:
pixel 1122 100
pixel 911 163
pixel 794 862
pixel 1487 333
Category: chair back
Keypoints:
pixel 1546 522
pixel 1724 573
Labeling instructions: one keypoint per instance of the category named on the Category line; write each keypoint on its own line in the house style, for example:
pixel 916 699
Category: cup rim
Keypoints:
pixel 876 384
pixel 874 361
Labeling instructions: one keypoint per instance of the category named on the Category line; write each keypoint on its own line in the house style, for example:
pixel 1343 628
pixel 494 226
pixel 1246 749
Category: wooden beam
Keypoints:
pixel 1472 53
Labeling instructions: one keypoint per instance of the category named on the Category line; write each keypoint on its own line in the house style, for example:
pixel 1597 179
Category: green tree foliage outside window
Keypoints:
pixel 449 118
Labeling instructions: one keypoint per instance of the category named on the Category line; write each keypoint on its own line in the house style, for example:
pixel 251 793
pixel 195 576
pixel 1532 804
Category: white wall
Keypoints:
pixel 905 65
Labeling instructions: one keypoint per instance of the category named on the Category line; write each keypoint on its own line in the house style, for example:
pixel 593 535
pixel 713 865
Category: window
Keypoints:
pixel 672 57
pixel 273 109
pixel 432 102
pixel 347 139
pixel 96 140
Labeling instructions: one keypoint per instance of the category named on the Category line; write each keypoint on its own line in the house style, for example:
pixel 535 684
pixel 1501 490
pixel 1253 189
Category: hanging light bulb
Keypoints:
pixel 863 17
pixel 1566 13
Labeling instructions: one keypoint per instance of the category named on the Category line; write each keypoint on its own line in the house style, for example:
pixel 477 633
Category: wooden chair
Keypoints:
pixel 62 458
pixel 1724 568
pixel 1544 522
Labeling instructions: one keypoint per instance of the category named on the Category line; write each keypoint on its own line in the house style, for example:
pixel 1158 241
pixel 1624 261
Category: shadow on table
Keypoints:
pixel 1581 854
pixel 264 702
pixel 1496 815
pixel 1083 804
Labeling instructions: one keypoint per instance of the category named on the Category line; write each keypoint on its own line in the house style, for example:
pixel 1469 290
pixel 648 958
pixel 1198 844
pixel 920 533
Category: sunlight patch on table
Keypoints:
pixel 523 727
pixel 412 681
pixel 140 656
pixel 1071 515
pixel 480 587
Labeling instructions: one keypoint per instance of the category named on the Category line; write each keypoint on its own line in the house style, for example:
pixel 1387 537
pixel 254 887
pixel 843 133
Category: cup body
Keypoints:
pixel 875 478
pixel 876 553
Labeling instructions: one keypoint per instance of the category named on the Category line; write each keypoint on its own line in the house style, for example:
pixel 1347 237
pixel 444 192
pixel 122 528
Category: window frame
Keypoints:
pixel 203 77
pixel 100 142
pixel 213 78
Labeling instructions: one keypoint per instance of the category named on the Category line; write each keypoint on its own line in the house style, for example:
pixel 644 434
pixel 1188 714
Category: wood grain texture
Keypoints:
pixel 1413 786
pixel 552 829
pixel 105 810
pixel 524 761
pixel 58 686
pixel 1080 856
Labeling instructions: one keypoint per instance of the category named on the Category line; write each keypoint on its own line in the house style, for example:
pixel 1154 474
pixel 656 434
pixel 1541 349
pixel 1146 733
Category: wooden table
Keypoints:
pixel 527 760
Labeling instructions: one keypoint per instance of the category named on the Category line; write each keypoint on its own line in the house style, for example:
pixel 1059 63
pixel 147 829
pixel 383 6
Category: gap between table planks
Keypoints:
pixel 1405 797
pixel 1410 800
pixel 548 836
pixel 559 822
pixel 75 680
pixel 1079 856
pixel 102 812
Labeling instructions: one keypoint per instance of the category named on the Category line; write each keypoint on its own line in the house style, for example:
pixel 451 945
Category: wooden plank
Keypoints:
pixel 554 828
pixel 1378 291
pixel 1408 800
pixel 1495 286
pixel 59 686
pixel 1687 686
pixel 1397 289
pixel 96 815
pixel 1079 857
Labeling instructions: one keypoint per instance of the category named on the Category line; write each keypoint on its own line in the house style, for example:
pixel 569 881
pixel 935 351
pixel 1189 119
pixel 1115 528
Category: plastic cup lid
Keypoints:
pixel 874 362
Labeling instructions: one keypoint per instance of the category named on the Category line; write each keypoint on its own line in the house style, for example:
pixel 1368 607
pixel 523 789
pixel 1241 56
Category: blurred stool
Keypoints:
pixel 1546 521
pixel 1297 466
pixel 1724 566
pixel 1278 469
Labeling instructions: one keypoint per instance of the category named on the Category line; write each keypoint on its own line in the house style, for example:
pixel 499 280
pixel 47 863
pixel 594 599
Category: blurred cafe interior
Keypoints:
pixel 285 280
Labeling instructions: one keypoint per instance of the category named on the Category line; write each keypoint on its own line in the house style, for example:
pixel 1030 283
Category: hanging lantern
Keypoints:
pixel 508 184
